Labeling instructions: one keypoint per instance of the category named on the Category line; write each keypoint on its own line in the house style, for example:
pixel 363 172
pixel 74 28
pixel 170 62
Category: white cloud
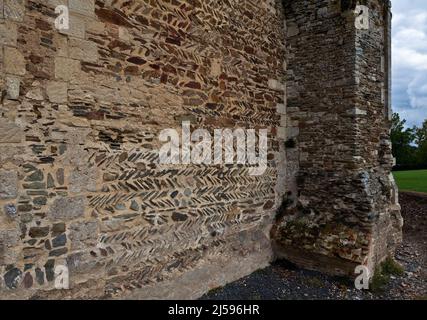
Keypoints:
pixel 417 92
pixel 405 57
pixel 410 60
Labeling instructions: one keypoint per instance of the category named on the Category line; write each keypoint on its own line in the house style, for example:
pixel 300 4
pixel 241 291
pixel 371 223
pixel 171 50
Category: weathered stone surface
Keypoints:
pixel 13 85
pixel 39 276
pixel 83 50
pixel 14 61
pixel 10 210
pixel 8 184
pixel 9 238
pixel 84 7
pixel 39 232
pixel 14 9
pixel 50 270
pixel 82 179
pixel 57 91
pixel 59 241
pixel 66 69
pixel 76 27
pixel 28 280
pixel 58 228
pixel 343 198
pixel 8 33
pixel 12 278
pixel 67 208
pixel 83 235
pixel 10 132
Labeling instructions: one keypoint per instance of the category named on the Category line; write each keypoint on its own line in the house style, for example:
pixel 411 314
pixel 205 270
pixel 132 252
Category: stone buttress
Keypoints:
pixel 341 210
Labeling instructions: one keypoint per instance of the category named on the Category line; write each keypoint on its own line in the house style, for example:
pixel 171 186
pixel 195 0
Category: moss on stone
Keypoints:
pixel 383 273
pixel 391 267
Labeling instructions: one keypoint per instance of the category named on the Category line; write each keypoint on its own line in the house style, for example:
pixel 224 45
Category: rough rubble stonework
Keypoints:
pixel 341 209
pixel 81 111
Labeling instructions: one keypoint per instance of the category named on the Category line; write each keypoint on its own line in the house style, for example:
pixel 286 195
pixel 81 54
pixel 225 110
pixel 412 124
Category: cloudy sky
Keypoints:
pixel 410 60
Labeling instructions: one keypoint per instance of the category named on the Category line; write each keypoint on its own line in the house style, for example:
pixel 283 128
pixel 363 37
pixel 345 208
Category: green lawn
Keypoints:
pixel 411 180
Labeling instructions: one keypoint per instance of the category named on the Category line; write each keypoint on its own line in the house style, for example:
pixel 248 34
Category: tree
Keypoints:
pixel 421 141
pixel 402 140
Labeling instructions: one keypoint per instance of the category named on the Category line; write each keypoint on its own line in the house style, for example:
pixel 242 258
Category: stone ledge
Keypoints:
pixel 316 262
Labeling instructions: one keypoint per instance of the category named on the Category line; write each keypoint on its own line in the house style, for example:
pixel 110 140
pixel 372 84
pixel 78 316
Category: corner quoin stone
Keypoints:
pixel 14 61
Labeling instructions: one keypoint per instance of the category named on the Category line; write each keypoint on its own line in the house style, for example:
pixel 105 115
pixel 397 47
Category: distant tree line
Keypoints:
pixel 409 144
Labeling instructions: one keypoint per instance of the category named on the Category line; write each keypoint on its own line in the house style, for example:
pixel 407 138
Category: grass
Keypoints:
pixel 383 274
pixel 411 180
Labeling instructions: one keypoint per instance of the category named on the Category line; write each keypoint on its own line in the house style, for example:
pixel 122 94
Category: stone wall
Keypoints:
pixel 81 111
pixel 341 210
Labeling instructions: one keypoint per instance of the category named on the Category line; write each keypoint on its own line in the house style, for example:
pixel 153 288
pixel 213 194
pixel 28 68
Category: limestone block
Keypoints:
pixel 67 208
pixel 14 9
pixel 8 184
pixel 83 50
pixel 77 27
pixel 61 42
pixel 55 3
pixel 276 85
pixel 14 61
pixel 281 133
pixel 8 33
pixel 13 85
pixel 57 91
pixel 10 132
pixel 283 121
pixel 96 27
pixel 281 108
pixel 1 9
pixel 66 69
pixel 357 112
pixel 84 7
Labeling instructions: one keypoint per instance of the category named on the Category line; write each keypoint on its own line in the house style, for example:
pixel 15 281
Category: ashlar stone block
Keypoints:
pixel 8 33
pixel 10 132
pixel 14 9
pixel 76 27
pixel 83 50
pixel 66 69
pixel 14 61
pixel 57 91
pixel 13 85
pixel 84 7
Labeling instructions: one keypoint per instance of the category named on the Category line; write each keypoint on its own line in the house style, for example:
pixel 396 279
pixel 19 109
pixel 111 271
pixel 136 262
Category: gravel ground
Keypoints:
pixel 282 281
